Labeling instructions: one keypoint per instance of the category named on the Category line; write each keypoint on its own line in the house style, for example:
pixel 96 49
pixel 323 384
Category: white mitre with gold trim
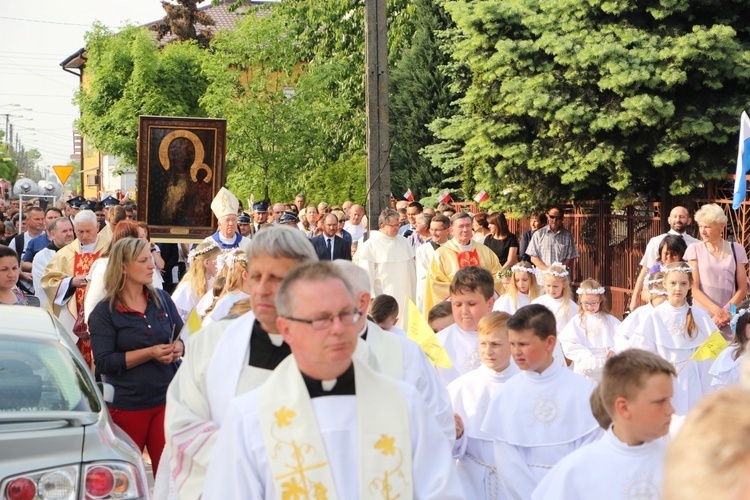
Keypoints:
pixel 224 203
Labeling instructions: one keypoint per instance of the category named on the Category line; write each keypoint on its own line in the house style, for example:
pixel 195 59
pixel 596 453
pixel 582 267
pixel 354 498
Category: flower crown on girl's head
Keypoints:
pixel 195 253
pixel 591 291
pixel 507 273
pixel 228 258
pixel 736 317
pixel 680 269
pixel 556 274
pixel 650 282
pixel 523 269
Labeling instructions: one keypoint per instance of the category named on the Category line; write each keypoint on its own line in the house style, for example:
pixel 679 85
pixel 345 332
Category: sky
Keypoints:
pixel 35 37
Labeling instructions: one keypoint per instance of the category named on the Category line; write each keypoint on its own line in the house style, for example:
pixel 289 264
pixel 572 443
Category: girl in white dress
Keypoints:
pixel 237 286
pixel 726 369
pixel 521 290
pixel 654 283
pixel 558 296
pixel 675 330
pixel 589 338
pixel 197 280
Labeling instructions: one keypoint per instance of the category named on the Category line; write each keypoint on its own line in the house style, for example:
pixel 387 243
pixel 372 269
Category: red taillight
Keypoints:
pixel 99 482
pixel 22 488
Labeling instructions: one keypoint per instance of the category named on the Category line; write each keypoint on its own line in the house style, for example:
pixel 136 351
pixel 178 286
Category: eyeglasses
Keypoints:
pixel 347 318
pixel 555 217
pixel 590 304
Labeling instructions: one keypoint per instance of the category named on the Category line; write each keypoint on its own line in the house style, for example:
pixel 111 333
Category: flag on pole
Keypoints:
pixel 445 197
pixel 743 162
pixel 408 195
pixel 192 324
pixel 481 196
pixel 711 348
pixel 420 332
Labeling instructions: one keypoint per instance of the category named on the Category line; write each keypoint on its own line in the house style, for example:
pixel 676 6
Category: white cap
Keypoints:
pixel 224 203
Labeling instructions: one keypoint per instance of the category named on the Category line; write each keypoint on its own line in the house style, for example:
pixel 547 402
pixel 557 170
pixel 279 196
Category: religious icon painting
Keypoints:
pixel 181 167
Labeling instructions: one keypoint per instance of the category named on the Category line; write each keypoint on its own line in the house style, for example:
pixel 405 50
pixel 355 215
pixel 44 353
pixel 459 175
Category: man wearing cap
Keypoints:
pixel 289 219
pixel 243 225
pixel 66 277
pixel 260 216
pixel 73 205
pixel 225 206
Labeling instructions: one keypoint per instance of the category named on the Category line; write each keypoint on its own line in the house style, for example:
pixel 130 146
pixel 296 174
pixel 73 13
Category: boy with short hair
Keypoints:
pixel 470 394
pixel 627 462
pixel 472 294
pixel 543 413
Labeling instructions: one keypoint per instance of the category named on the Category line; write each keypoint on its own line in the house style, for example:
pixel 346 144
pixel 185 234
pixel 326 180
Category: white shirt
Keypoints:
pixel 357 232
pixel 463 350
pixel 651 255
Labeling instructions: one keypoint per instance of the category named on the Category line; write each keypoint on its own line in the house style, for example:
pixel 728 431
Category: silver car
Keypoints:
pixel 57 440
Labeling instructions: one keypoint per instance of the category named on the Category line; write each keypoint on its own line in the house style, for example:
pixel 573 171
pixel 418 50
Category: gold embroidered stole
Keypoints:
pixel 295 447
pixel 82 263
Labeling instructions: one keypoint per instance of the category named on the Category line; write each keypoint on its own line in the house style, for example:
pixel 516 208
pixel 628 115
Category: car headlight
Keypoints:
pixel 112 480
pixel 52 484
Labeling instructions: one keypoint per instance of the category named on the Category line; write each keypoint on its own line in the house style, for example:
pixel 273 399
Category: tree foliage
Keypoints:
pixel 181 22
pixel 592 98
pixel 420 92
pixel 127 75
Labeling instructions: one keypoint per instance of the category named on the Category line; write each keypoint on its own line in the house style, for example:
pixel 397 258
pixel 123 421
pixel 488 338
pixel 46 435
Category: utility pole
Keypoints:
pixel 376 95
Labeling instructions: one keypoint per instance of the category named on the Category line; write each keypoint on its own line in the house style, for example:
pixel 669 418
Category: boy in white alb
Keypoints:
pixel 470 394
pixel 472 296
pixel 543 413
pixel 627 462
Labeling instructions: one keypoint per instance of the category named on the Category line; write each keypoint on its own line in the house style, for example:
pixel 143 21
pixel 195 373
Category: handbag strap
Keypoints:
pixel 734 255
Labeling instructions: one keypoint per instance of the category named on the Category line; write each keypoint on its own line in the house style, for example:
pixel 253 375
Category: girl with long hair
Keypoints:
pixel 521 290
pixel 198 278
pixel 237 286
pixel 726 369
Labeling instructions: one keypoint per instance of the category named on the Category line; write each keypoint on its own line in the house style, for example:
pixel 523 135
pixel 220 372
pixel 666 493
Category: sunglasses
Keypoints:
pixel 555 217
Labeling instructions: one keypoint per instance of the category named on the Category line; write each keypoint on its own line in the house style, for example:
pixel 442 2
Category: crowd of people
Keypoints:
pixel 274 359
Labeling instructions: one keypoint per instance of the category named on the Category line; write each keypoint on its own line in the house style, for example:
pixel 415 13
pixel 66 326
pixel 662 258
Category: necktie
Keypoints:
pixel 328 247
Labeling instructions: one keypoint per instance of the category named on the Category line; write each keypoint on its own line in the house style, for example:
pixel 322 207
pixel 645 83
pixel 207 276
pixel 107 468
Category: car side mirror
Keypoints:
pixel 107 390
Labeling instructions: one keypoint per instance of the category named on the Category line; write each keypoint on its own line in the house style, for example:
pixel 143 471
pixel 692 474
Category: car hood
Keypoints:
pixel 37 441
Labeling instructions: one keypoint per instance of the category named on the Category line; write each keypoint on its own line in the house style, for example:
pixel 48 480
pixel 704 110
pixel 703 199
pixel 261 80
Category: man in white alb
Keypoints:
pixel 229 358
pixel 325 425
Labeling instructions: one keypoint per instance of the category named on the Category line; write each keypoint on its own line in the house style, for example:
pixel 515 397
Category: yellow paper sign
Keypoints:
pixel 63 172
pixel 711 348
pixel 420 332
pixel 193 323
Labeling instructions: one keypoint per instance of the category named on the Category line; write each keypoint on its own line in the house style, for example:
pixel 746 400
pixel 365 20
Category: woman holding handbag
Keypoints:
pixel 134 332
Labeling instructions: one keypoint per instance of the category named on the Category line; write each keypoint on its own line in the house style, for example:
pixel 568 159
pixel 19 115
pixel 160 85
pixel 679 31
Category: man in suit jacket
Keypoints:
pixel 328 245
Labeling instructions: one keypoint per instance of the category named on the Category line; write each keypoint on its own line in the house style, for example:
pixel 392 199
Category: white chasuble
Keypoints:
pixel 299 460
pixel 535 419
pixel 607 469
pixel 470 394
pixel 664 333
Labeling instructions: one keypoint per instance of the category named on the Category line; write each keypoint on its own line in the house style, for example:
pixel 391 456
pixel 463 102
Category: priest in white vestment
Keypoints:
pixel 412 365
pixel 324 424
pixel 228 358
pixel 60 234
pixel 389 260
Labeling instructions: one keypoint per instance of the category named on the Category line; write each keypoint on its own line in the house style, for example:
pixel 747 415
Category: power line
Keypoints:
pixel 44 22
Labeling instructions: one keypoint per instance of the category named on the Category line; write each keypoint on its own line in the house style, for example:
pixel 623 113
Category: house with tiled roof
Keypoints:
pixel 101 173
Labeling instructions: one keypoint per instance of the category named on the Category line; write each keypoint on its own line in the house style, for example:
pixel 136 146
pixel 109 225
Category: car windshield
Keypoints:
pixel 38 376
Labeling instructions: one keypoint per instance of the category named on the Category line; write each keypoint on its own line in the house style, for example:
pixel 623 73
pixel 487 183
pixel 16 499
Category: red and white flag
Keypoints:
pixel 481 196
pixel 408 195
pixel 445 197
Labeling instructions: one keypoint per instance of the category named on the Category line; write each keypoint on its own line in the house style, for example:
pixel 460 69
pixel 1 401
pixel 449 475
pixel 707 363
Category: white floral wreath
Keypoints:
pixel 657 291
pixel 681 269
pixel 736 317
pixel 563 274
pixel 591 291
pixel 654 282
pixel 195 253
pixel 228 258
pixel 523 269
